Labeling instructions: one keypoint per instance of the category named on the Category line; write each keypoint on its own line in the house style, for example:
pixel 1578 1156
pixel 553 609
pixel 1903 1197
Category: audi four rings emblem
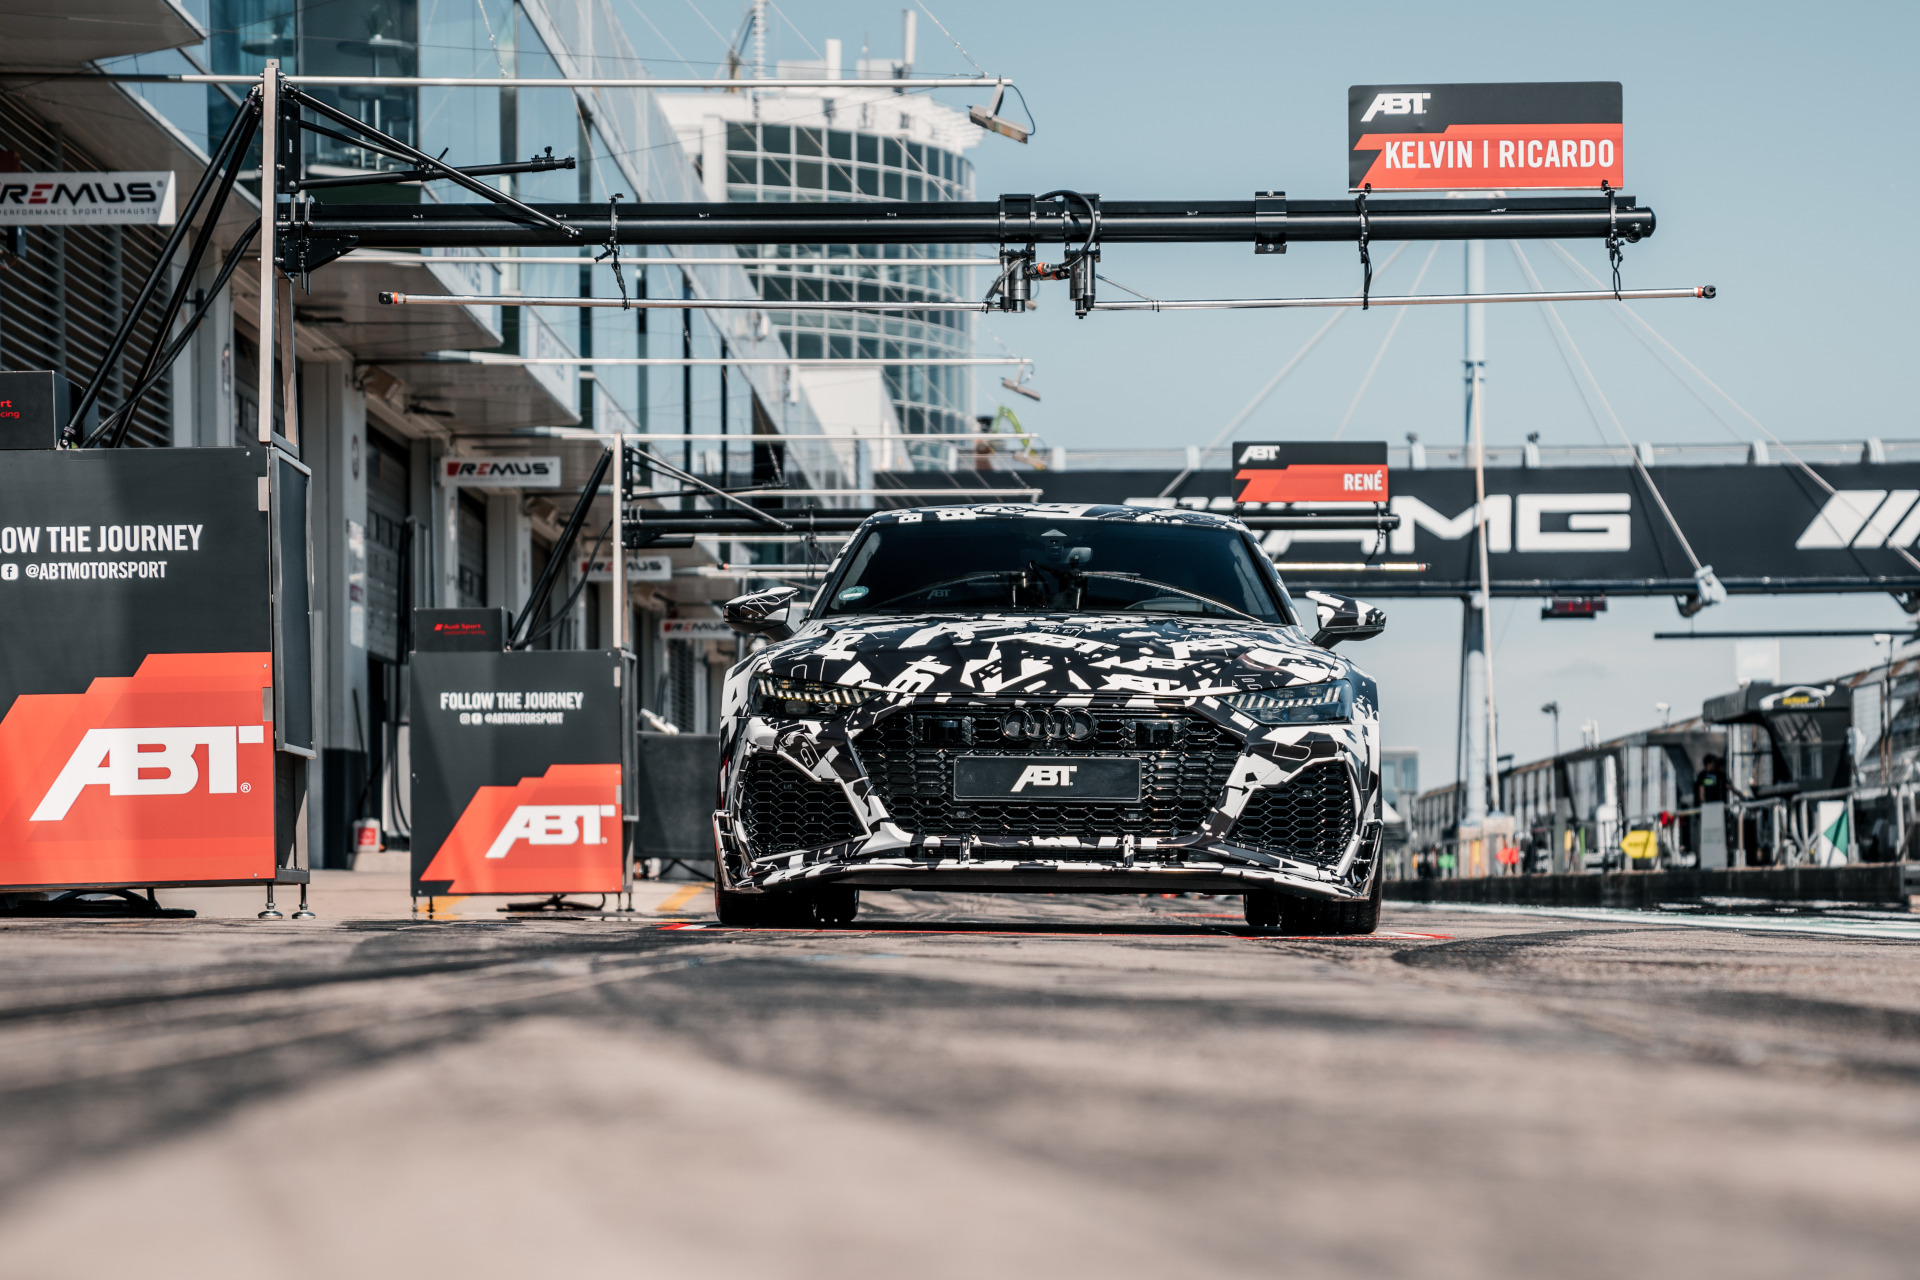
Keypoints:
pixel 1053 725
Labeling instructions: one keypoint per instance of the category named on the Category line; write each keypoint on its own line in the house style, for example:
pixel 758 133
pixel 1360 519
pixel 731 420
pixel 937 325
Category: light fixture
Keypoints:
pixel 1018 389
pixel 990 119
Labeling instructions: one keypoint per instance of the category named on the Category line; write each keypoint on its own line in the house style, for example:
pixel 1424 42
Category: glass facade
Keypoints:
pixel 790 162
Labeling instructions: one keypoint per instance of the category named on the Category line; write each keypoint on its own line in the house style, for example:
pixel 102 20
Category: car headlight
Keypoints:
pixel 778 696
pixel 1297 704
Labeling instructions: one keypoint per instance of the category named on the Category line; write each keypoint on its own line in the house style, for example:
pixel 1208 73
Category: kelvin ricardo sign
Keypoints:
pixel 1483 137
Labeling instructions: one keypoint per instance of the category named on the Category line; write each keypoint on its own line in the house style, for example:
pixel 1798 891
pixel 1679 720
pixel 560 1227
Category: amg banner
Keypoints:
pixel 520 772
pixel 1581 529
pixel 136 668
pixel 1484 137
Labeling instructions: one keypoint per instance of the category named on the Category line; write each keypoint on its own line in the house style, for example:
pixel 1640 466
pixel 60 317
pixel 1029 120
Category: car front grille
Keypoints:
pixel 1310 818
pixel 1186 761
pixel 781 808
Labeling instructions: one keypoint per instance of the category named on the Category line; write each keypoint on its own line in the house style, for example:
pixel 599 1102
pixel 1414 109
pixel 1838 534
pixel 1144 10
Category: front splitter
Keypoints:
pixel 1029 877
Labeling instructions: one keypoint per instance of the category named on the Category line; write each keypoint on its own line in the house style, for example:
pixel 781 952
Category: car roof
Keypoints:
pixel 1056 511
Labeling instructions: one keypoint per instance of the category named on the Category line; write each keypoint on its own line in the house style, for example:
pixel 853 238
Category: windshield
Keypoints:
pixel 1053 566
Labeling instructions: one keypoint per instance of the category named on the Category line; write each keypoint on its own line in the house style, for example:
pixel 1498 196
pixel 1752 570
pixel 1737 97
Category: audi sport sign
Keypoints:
pixel 136 668
pixel 1484 137
pixel 1576 530
pixel 520 772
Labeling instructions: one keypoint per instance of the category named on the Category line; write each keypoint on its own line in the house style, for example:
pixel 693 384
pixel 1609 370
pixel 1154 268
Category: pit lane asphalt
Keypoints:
pixel 959 1085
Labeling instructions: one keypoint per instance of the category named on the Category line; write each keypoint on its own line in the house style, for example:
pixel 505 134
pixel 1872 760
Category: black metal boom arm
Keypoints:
pixel 1011 221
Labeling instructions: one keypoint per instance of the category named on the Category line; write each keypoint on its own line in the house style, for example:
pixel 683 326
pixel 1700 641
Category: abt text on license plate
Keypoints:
pixel 1030 778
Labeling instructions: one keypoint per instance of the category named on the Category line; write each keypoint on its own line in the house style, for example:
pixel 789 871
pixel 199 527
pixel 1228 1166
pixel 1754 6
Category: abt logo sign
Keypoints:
pixel 1046 775
pixel 1397 104
pixel 150 762
pixel 550 824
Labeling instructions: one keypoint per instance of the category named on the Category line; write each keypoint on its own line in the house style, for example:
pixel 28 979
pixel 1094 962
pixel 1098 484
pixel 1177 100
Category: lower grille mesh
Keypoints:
pixel 1311 818
pixel 781 808
pixel 1185 764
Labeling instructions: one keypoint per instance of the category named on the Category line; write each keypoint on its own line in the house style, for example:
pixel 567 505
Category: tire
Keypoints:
pixel 1323 918
pixel 1361 918
pixel 1262 907
pixel 740 910
pixel 836 905
pixel 1308 917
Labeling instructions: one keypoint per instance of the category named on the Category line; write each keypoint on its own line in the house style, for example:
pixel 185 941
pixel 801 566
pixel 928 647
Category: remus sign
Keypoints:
pixel 126 199
pixel 500 473
pixel 1484 137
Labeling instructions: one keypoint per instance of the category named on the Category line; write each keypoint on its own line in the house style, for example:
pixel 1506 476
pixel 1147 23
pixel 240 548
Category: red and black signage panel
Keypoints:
pixel 1484 137
pixel 136 668
pixel 520 772
pixel 1310 471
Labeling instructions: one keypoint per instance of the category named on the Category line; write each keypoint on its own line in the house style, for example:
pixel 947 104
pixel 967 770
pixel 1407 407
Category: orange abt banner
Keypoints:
pixel 1477 157
pixel 1311 471
pixel 162 777
pixel 557 833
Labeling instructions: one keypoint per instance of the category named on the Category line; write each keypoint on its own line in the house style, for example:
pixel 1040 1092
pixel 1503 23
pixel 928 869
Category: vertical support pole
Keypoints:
pixel 269 288
pixel 619 560
pixel 1486 590
pixel 1477 758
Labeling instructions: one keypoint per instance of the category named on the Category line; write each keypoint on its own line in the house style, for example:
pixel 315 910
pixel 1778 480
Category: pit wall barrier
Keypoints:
pixel 1878 883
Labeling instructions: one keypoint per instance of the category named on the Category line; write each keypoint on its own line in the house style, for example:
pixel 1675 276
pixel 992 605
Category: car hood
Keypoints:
pixel 1024 655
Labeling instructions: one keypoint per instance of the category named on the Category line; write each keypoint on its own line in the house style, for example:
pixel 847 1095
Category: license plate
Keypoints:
pixel 1043 778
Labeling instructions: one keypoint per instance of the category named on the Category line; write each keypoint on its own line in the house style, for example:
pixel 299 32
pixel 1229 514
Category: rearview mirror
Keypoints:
pixel 1344 618
pixel 763 613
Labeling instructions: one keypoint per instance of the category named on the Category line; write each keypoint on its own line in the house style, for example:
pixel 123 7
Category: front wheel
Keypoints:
pixel 1263 908
pixel 1319 917
pixel 836 905
pixel 740 910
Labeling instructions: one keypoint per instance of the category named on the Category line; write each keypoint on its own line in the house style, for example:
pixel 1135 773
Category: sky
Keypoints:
pixel 1771 140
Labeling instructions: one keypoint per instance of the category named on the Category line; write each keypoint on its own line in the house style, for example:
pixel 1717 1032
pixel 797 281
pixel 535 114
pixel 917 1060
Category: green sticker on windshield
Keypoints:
pixel 852 593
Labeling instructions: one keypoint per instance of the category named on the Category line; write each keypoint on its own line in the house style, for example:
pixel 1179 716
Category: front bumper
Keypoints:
pixel 1207 869
pixel 884 855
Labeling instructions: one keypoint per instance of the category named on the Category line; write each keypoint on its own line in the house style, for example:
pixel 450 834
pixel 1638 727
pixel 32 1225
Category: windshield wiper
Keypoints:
pixel 949 582
pixel 1168 586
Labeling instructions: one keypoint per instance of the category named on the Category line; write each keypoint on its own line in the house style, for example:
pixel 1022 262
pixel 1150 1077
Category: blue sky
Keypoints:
pixel 1773 142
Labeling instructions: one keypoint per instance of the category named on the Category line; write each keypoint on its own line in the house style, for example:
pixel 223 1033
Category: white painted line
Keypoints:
pixel 1897 928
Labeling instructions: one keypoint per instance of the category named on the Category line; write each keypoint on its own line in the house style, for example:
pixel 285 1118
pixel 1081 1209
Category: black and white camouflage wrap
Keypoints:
pixel 1098 661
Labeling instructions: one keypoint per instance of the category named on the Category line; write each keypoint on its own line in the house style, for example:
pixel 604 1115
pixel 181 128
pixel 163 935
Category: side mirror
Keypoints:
pixel 764 613
pixel 1344 618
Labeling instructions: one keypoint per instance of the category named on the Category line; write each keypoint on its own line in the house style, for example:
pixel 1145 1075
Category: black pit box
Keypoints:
pixel 34 407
